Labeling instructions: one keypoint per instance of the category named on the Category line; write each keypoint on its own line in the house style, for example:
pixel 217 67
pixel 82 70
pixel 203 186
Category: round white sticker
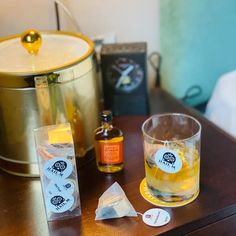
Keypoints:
pixel 60 202
pixel 58 168
pixel 168 160
pixel 58 187
pixel 156 217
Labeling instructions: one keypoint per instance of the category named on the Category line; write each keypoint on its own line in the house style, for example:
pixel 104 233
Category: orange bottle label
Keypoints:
pixel 111 152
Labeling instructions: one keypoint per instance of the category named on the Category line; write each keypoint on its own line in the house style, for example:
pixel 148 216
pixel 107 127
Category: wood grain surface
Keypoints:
pixel 21 203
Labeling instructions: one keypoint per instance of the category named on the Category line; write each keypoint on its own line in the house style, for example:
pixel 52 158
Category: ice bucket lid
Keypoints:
pixel 59 50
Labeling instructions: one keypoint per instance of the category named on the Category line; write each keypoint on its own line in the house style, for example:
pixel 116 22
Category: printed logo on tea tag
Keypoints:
pixel 58 187
pixel 58 168
pixel 168 160
pixel 60 203
pixel 156 217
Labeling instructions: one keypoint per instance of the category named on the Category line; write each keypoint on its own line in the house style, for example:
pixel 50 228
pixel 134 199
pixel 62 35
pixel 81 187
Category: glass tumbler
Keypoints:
pixel 172 157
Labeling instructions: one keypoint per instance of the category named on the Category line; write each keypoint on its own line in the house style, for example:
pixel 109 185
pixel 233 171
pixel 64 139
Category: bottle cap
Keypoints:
pixel 106 116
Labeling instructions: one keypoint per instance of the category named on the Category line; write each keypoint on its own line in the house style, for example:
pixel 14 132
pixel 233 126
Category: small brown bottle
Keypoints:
pixel 108 145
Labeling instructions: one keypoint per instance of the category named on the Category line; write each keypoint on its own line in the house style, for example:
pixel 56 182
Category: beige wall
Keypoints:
pixel 18 15
pixel 133 20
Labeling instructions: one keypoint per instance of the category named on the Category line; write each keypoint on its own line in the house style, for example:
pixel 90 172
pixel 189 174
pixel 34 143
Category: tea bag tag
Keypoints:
pixel 168 160
pixel 156 217
pixel 61 186
pixel 58 168
pixel 59 203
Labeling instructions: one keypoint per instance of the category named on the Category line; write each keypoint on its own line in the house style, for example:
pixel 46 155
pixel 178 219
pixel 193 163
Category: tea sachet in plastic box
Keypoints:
pixel 58 174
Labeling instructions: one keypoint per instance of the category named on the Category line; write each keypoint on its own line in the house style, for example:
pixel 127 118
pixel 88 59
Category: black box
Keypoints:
pixel 124 77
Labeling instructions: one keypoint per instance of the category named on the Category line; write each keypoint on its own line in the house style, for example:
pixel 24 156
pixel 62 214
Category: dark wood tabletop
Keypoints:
pixel 213 212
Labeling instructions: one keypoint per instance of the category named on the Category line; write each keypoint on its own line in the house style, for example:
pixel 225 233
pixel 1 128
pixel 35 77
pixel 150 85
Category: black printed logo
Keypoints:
pixel 169 158
pixel 57 200
pixel 67 185
pixel 59 166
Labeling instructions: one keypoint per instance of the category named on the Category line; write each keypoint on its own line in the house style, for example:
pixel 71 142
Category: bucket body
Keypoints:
pixel 59 95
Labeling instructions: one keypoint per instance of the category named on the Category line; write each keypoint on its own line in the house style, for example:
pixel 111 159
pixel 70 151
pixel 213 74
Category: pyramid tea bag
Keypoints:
pixel 113 203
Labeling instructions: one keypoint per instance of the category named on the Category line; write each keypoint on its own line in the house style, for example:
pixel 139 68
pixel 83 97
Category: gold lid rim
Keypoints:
pixel 65 66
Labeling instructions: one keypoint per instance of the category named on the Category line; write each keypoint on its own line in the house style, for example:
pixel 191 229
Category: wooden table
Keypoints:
pixel 213 212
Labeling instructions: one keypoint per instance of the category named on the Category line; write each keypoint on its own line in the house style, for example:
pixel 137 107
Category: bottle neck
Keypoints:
pixel 106 124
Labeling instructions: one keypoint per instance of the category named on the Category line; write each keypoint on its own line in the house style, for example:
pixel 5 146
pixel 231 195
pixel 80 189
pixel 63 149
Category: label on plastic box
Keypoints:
pixel 60 186
pixel 58 168
pixel 60 203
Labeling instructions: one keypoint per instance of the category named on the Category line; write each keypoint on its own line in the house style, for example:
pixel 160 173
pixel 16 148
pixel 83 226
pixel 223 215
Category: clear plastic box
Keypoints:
pixel 58 173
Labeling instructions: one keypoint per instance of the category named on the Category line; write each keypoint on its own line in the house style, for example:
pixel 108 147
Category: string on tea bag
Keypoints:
pixel 166 145
pixel 139 213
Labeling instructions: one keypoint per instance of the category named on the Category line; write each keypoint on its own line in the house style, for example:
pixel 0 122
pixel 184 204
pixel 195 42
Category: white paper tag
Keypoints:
pixel 59 203
pixel 156 217
pixel 168 160
pixel 58 168
pixel 58 187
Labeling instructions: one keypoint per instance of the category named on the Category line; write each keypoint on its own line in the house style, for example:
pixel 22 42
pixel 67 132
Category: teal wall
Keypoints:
pixel 198 44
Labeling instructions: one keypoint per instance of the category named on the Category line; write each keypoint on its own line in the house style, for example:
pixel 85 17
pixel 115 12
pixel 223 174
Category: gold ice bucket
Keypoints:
pixel 53 84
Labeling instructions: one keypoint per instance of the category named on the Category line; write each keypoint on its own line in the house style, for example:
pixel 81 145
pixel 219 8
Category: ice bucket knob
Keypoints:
pixel 31 41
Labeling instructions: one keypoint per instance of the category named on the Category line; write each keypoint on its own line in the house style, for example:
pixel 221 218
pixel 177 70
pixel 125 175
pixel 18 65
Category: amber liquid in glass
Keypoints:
pixel 109 148
pixel 174 187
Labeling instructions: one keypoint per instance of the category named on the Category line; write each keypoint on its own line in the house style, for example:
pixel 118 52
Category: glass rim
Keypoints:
pixel 172 114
